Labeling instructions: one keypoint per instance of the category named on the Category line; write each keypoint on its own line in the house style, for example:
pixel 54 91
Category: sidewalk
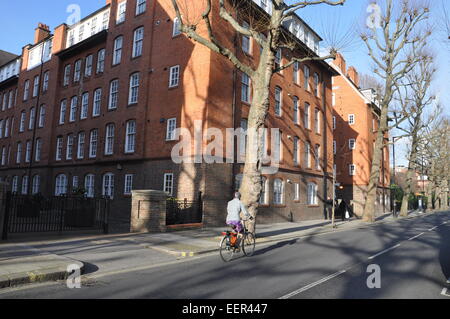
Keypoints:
pixel 47 259
pixel 22 264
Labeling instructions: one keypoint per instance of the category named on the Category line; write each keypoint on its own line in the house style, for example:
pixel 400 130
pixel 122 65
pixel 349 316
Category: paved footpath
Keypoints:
pixel 47 259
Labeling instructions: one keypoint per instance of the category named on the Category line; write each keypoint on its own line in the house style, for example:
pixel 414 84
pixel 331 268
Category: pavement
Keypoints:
pixel 23 261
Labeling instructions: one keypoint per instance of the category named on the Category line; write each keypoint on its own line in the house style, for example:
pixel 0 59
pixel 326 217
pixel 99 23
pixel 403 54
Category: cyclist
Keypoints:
pixel 235 207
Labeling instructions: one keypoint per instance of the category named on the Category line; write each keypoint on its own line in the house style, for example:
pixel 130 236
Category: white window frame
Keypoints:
pixel 62 112
pixel 41 122
pixel 128 187
pixel 36 85
pixel 130 138
pixel 141 6
pixel 28 151
pixel 97 103
pixel 61 185
pixel 26 90
pixel 38 152
pixel 296 110
pixel 59 148
pixel 93 143
pixel 101 61
pixel 171 129
pixel 45 82
pixel 138 42
pixel 176 27
pixel 80 145
pixel 278 101
pixel 278 192
pixel 69 147
pixel 109 139
pixel 77 71
pixel 108 185
pixel 352 144
pixel 113 94
pixel 168 183
pixel 133 94
pixel 246 88
pixel 88 65
pixel 89 185
pixel 117 53
pixel 121 12
pixel 352 169
pixel 312 194
pixel 73 109
pixel 174 76
pixel 351 119
pixel 84 106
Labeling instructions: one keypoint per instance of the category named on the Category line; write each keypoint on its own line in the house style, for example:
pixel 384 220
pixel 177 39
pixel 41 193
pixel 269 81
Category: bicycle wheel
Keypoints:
pixel 226 252
pixel 249 244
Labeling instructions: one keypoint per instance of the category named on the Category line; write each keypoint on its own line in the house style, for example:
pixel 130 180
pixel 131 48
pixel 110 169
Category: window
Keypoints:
pixel 37 156
pixel 352 144
pixel 109 140
pixel 245 91
pixel 307 119
pixel 174 77
pixel 308 155
pixel 306 79
pixel 36 86
pixel 113 94
pixel 121 12
pixel 7 128
pixel 278 146
pixel 23 116
pixel 317 156
pixel 59 148
pixel 263 200
pixel 278 58
pixel 89 182
pixel 19 153
pixel 75 183
pixel 15 184
pixel 77 71
pixel 334 122
pixel 168 184
pixel 243 139
pixel 41 122
pixel 108 185
pixel 312 194
pixel 88 66
pixel 66 75
pixel 97 102
pixel 5 101
pixel 128 184
pixel 296 111
pixel 296 150
pixel 246 43
pixel 176 27
pixel 317 121
pixel 101 61
pixel 296 73
pixel 352 169
pixel 81 33
pixel 93 141
pixel 25 185
pixel 105 20
pixel 36 185
pixel 46 79
pixel 11 98
pixel 134 89
pixel 32 118
pixel 130 139
pixel 84 106
pixel 80 148
pixel 61 185
pixel 351 119
pixel 3 156
pixel 278 192
pixel 73 109
pixel 28 152
pixel 26 90
pixel 94 26
pixel 62 112
pixel 69 149
pixel 278 101
pixel 117 56
pixel 138 41
pixel 1 128
pixel 171 129
pixel 334 147
pixel 316 84
pixel 140 6
pixel 297 192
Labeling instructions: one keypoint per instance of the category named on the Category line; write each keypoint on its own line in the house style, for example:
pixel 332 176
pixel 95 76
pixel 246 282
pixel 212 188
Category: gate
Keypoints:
pixel 182 212
pixel 33 214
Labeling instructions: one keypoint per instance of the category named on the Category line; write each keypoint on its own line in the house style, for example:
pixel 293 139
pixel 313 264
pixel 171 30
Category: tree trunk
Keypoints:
pixel 411 172
pixel 369 207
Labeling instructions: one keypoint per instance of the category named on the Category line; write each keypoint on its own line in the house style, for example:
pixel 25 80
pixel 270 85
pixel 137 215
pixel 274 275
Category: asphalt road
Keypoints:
pixel 412 256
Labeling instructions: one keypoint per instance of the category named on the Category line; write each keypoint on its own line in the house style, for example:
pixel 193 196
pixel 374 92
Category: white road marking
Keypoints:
pixel 444 292
pixel 431 229
pixel 385 251
pixel 412 238
pixel 314 284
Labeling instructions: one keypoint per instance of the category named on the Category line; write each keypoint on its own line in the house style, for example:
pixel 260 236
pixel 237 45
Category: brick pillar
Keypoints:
pixel 148 211
pixel 3 188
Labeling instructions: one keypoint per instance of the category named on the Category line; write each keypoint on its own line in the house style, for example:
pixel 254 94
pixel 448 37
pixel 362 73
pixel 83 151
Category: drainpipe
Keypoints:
pixel 325 150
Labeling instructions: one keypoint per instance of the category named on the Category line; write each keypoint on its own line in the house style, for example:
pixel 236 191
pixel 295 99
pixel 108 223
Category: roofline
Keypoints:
pixel 16 58
pixel 89 16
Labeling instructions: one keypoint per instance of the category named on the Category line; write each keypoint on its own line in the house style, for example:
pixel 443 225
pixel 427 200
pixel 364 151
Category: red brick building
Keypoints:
pixel 356 121
pixel 97 104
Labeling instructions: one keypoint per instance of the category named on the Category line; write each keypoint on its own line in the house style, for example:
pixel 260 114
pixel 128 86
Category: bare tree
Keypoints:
pixel 390 44
pixel 415 98
pixel 268 32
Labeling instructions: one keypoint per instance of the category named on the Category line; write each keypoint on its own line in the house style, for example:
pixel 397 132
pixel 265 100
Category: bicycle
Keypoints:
pixel 231 244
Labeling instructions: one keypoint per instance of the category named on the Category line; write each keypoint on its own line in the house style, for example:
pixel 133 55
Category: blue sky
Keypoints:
pixel 24 15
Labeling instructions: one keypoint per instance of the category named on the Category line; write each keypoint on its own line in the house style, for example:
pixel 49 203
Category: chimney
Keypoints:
pixel 108 2
pixel 340 62
pixel 41 32
pixel 353 75
pixel 59 38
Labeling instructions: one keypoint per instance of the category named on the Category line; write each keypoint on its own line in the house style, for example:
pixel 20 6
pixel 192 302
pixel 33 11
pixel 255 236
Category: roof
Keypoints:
pixel 6 57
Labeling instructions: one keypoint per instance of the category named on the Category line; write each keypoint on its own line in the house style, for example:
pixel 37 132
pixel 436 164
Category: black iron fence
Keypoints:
pixel 29 214
pixel 182 212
